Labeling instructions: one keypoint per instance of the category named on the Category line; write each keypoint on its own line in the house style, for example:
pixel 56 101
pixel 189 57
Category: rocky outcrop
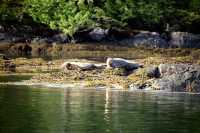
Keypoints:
pixel 185 82
pixel 169 69
pixel 148 40
pixel 165 77
pixel 178 78
pixel 98 34
pixel 184 40
pixel 132 38
pixel 168 77
pixel 59 38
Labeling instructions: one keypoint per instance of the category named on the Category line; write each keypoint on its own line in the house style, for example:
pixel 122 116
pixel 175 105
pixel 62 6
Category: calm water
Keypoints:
pixel 25 109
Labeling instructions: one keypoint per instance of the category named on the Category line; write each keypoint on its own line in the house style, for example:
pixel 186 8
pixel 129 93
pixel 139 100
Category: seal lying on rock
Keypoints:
pixel 78 66
pixel 121 63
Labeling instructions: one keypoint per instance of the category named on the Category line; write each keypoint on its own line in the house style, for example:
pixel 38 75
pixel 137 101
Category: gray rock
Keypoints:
pixel 178 78
pixel 149 40
pixel 195 86
pixel 38 40
pixel 2 36
pixel 121 63
pixel 60 38
pixel 5 37
pixel 169 69
pixel 98 34
pixel 17 39
pixel 166 83
pixel 184 40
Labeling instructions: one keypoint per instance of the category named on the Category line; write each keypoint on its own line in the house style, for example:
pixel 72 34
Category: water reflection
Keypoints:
pixel 106 112
pixel 34 110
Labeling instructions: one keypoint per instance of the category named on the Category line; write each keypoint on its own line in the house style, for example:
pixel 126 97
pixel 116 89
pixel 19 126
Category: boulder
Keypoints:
pixel 60 38
pixel 147 40
pixel 78 66
pixel 2 36
pixel 185 82
pixel 121 63
pixel 98 34
pixel 178 78
pixel 6 37
pixel 169 69
pixel 38 40
pixel 184 40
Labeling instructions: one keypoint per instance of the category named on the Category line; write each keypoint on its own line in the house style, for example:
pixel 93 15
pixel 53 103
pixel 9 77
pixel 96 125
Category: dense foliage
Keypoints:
pixel 70 16
pixel 11 10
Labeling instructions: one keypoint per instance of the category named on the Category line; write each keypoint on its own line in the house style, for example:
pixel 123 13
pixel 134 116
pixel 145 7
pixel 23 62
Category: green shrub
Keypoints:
pixel 70 16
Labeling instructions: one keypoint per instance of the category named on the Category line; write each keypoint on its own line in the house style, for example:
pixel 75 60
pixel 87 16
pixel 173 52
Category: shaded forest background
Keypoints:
pixel 70 16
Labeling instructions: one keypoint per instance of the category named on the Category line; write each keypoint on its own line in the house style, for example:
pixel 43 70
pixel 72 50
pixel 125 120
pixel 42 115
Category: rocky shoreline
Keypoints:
pixel 134 38
pixel 170 74
pixel 165 77
pixel 32 41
